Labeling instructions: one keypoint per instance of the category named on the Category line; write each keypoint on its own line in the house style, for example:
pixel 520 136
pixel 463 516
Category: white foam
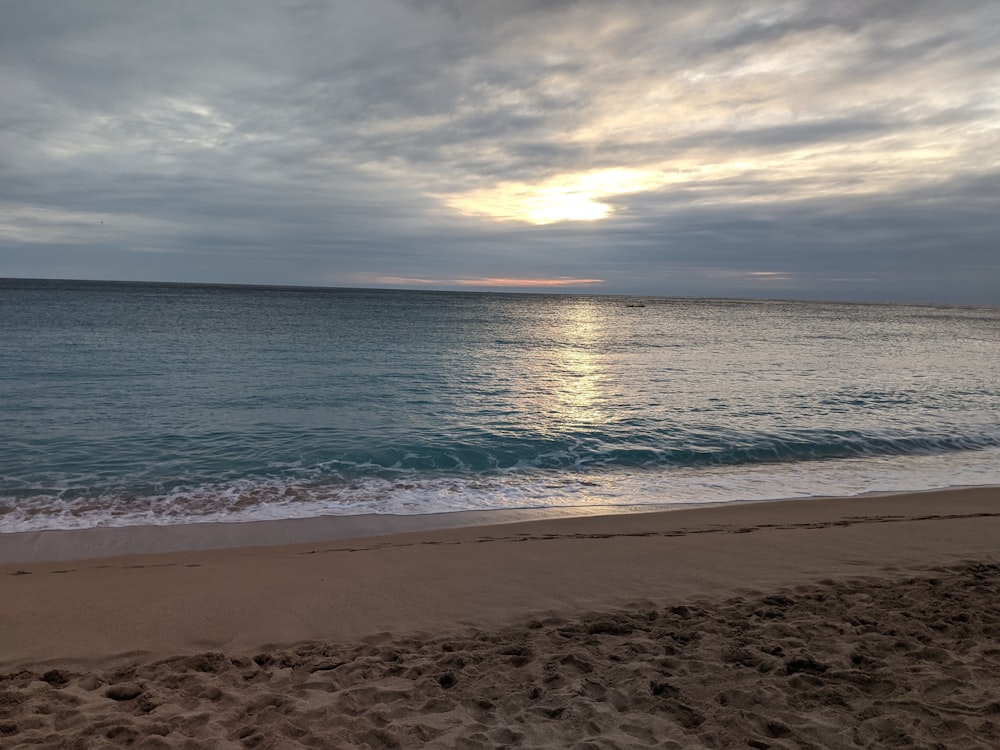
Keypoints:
pixel 516 489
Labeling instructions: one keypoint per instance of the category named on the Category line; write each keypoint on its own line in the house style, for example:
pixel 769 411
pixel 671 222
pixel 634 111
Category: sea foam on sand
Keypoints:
pixel 840 623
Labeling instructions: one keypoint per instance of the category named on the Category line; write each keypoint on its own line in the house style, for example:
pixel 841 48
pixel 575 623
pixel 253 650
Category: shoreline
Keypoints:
pixel 51 545
pixel 838 623
pixel 61 545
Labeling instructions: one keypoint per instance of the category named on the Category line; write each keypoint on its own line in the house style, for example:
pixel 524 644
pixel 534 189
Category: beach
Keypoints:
pixel 833 623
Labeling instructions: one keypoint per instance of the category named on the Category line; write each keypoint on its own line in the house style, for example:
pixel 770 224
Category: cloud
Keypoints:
pixel 668 147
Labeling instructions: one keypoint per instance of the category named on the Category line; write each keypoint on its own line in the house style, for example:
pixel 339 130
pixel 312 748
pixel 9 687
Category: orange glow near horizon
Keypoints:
pixel 525 282
pixel 485 281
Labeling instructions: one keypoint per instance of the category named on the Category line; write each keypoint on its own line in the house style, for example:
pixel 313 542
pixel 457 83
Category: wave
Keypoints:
pixel 254 499
pixel 605 449
pixel 152 466
pixel 427 477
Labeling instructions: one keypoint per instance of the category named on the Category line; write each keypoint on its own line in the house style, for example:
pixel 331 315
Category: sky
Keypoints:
pixel 803 149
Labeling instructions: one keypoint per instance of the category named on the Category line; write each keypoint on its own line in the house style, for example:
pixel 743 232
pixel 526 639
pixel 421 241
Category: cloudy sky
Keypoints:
pixel 815 149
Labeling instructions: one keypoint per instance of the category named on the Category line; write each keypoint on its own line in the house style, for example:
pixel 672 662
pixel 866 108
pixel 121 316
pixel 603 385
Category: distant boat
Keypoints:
pixel 635 304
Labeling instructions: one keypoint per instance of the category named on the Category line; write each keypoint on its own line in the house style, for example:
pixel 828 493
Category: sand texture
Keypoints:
pixel 871 662
pixel 825 624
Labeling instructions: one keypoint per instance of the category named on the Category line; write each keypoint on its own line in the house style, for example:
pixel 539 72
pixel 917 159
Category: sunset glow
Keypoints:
pixel 525 282
pixel 570 197
pixel 492 281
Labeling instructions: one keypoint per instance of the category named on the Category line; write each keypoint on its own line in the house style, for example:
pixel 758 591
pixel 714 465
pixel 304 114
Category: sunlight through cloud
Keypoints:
pixel 570 197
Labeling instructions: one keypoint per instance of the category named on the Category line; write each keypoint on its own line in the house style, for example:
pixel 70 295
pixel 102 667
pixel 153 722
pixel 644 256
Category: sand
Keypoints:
pixel 836 623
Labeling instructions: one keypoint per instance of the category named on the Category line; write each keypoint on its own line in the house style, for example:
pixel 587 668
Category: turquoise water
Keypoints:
pixel 127 403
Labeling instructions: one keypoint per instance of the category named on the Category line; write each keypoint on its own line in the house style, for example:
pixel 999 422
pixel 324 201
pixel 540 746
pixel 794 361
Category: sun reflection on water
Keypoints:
pixel 569 380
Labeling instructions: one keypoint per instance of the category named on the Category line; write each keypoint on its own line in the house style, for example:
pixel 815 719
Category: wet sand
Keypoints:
pixel 862 622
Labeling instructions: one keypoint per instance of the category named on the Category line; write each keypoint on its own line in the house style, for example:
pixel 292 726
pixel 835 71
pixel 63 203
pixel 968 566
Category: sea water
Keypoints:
pixel 130 403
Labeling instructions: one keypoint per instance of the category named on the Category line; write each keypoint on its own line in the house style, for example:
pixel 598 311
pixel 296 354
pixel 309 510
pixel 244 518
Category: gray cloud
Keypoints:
pixel 792 149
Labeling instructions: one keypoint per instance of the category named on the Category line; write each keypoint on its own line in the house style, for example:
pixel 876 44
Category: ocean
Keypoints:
pixel 132 403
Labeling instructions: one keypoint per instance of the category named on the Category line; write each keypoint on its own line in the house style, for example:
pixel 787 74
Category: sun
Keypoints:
pixel 569 197
pixel 550 206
